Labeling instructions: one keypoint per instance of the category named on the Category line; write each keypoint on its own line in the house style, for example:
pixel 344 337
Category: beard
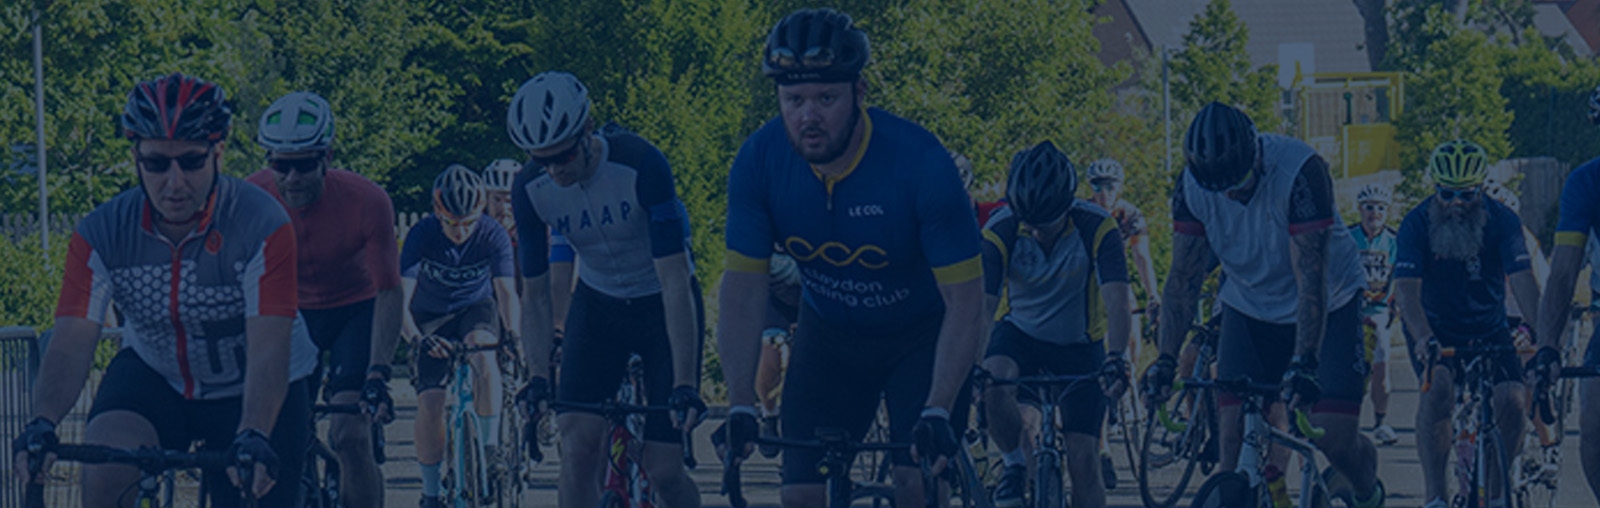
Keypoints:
pixel 1456 234
pixel 832 148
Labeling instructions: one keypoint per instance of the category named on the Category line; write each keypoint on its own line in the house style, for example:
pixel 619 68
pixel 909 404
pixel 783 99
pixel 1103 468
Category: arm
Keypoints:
pixel 1308 251
pixel 1408 295
pixel 561 284
pixel 65 367
pixel 743 298
pixel 1191 254
pixel 408 324
pixel 1525 288
pixel 958 340
pixel 505 297
pixel 991 305
pixel 266 379
pixel 683 329
pixel 537 337
pixel 1147 270
pixel 383 258
pixel 1119 316
pixel 1555 305
pixel 386 316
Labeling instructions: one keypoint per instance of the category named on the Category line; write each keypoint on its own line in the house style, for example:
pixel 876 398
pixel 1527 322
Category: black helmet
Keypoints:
pixel 176 107
pixel 1042 185
pixel 1220 147
pixel 815 46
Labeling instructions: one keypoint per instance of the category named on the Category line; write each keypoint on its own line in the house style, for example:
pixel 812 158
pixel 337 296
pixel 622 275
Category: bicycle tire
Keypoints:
pixel 508 470
pixel 611 499
pixel 874 495
pixel 1507 489
pixel 1228 489
pixel 1167 460
pixel 1048 488
pixel 968 484
pixel 1130 422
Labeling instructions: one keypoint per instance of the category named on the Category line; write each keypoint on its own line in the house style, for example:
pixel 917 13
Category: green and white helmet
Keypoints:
pixel 1459 163
pixel 297 122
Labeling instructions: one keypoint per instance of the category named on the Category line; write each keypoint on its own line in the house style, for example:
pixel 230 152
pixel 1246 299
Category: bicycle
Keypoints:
pixel 1538 476
pixel 1049 482
pixel 1179 439
pixel 838 453
pixel 626 484
pixel 323 490
pixel 157 469
pixel 1473 424
pixel 1246 484
pixel 468 478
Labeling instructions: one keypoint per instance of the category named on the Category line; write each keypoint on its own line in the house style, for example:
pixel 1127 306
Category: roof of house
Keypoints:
pixel 1334 27
pixel 1552 21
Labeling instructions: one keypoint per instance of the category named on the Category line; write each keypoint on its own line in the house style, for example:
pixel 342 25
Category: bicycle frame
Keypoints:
pixel 1259 435
pixel 462 422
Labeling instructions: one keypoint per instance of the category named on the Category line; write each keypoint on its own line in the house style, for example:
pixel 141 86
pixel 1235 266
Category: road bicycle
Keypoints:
pixel 158 468
pixel 320 477
pixel 1246 485
pixel 626 484
pixel 1180 434
pixel 469 479
pixel 1049 479
pixel 1537 476
pixel 1477 439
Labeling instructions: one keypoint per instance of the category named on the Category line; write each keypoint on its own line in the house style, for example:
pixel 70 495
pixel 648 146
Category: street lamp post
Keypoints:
pixel 38 110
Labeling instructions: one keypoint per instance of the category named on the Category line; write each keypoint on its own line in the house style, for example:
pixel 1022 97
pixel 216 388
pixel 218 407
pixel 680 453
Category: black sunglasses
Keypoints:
pixel 286 166
pixel 1461 194
pixel 158 164
pixel 559 158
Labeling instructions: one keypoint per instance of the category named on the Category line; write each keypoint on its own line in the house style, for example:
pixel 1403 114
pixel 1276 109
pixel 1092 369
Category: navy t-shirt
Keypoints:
pixel 450 277
pixel 1464 300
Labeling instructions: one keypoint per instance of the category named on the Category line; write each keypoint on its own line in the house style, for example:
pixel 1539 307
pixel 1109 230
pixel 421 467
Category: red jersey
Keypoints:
pixel 347 246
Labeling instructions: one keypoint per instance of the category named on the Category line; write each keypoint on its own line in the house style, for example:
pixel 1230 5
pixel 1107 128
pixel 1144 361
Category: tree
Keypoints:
pixel 1454 95
pixel 1214 66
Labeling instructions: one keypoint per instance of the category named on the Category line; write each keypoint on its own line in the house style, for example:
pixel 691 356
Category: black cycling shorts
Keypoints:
pixel 345 335
pixel 433 372
pixel 1507 365
pixel 1083 406
pixel 837 377
pixel 601 333
pixel 1261 351
pixel 131 385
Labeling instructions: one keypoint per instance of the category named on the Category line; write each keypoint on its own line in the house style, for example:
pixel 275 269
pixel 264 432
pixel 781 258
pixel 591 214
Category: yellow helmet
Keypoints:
pixel 1458 163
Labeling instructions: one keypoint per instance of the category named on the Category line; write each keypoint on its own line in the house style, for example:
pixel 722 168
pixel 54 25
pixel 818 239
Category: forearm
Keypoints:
pixel 1147 273
pixel 1190 257
pixel 958 341
pixel 560 284
pixel 65 367
pixel 408 323
pixel 742 299
pixel 683 331
pixel 505 296
pixel 1525 288
pixel 1309 254
pixel 1119 316
pixel 1408 296
pixel 1555 304
pixel 536 330
pixel 266 377
pixel 385 326
pixel 991 305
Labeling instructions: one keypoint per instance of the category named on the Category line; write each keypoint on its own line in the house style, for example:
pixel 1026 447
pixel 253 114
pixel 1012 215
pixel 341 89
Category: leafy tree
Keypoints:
pixel 1454 95
pixel 1214 66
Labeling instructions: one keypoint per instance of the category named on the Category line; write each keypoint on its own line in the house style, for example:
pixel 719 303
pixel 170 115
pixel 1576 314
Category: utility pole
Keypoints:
pixel 1166 110
pixel 38 113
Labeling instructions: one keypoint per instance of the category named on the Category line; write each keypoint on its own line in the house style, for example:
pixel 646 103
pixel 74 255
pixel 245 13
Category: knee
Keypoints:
pixel 348 435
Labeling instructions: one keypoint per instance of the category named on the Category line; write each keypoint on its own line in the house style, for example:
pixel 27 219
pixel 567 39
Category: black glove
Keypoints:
pixel 685 398
pixel 253 446
pixel 38 437
pixel 1300 382
pixel 1113 370
pixel 1544 363
pixel 375 394
pixel 739 431
pixel 1158 378
pixel 933 436
pixel 533 396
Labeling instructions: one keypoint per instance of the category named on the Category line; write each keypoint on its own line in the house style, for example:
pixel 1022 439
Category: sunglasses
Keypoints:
pixel 192 162
pixel 1371 207
pixel 457 223
pixel 1458 194
pixel 814 58
pixel 1103 185
pixel 559 158
pixel 302 166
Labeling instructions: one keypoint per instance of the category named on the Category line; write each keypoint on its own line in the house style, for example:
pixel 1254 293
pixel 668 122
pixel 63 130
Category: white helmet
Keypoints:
pixel 1104 169
pixel 499 174
pixel 458 193
pixel 1373 192
pixel 1504 195
pixel 549 108
pixel 296 122
pixel 964 165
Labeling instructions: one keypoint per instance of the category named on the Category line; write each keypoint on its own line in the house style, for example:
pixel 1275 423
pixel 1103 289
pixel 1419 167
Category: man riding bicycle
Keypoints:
pixel 872 209
pixel 457 275
pixel 1375 240
pixel 1580 216
pixel 611 194
pixel 349 275
pixel 1456 250
pixel 202 266
pixel 1059 263
pixel 1263 206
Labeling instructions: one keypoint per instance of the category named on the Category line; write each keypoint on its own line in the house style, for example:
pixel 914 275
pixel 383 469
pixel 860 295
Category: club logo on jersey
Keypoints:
pixel 837 254
pixel 859 211
pixel 606 216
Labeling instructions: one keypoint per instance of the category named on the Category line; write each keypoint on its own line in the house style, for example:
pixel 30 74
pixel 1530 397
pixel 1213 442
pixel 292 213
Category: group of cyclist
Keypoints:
pixel 855 256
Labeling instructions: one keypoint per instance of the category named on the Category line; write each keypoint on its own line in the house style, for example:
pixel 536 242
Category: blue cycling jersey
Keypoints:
pixel 451 277
pixel 1463 299
pixel 873 245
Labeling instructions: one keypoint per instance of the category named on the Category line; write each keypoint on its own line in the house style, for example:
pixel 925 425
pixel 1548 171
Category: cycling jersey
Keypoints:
pixel 985 209
pixel 874 244
pixel 1129 220
pixel 620 220
pixel 1464 299
pixel 347 249
pixel 1580 205
pixel 451 277
pixel 185 306
pixel 1294 194
pixel 1054 296
pixel 1377 261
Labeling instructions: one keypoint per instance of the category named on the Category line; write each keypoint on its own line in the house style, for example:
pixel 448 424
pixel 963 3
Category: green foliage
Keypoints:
pixel 1214 66
pixel 1454 95
pixel 29 282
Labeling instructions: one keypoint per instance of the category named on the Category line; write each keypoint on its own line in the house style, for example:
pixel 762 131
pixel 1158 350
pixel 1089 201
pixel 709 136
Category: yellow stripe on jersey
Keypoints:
pixel 1005 255
pixel 1574 238
pixel 964 271
pixel 866 139
pixel 1106 227
pixel 733 261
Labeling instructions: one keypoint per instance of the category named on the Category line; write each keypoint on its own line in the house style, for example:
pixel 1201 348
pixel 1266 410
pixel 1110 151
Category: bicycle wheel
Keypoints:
pixel 470 491
pixel 1227 489
pixel 1495 450
pixel 1048 489
pixel 1171 448
pixel 611 499
pixel 507 472
pixel 1129 422
pixel 874 495
pixel 967 484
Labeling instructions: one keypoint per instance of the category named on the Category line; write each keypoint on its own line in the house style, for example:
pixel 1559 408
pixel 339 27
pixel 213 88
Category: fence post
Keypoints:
pixel 19 364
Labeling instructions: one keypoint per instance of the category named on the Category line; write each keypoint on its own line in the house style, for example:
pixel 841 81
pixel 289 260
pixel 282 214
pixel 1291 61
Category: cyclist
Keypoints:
pixel 202 266
pixel 871 207
pixel 1059 262
pixel 611 194
pixel 969 180
pixel 497 178
pixel 1580 215
pixel 349 273
pixel 1375 241
pixel 1456 251
pixel 1263 206
pixel 456 270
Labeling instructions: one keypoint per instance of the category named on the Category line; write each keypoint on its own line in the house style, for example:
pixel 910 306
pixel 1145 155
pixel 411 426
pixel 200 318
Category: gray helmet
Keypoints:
pixel 1220 147
pixel 296 122
pixel 1042 185
pixel 499 174
pixel 1104 169
pixel 551 107
pixel 815 46
pixel 458 193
